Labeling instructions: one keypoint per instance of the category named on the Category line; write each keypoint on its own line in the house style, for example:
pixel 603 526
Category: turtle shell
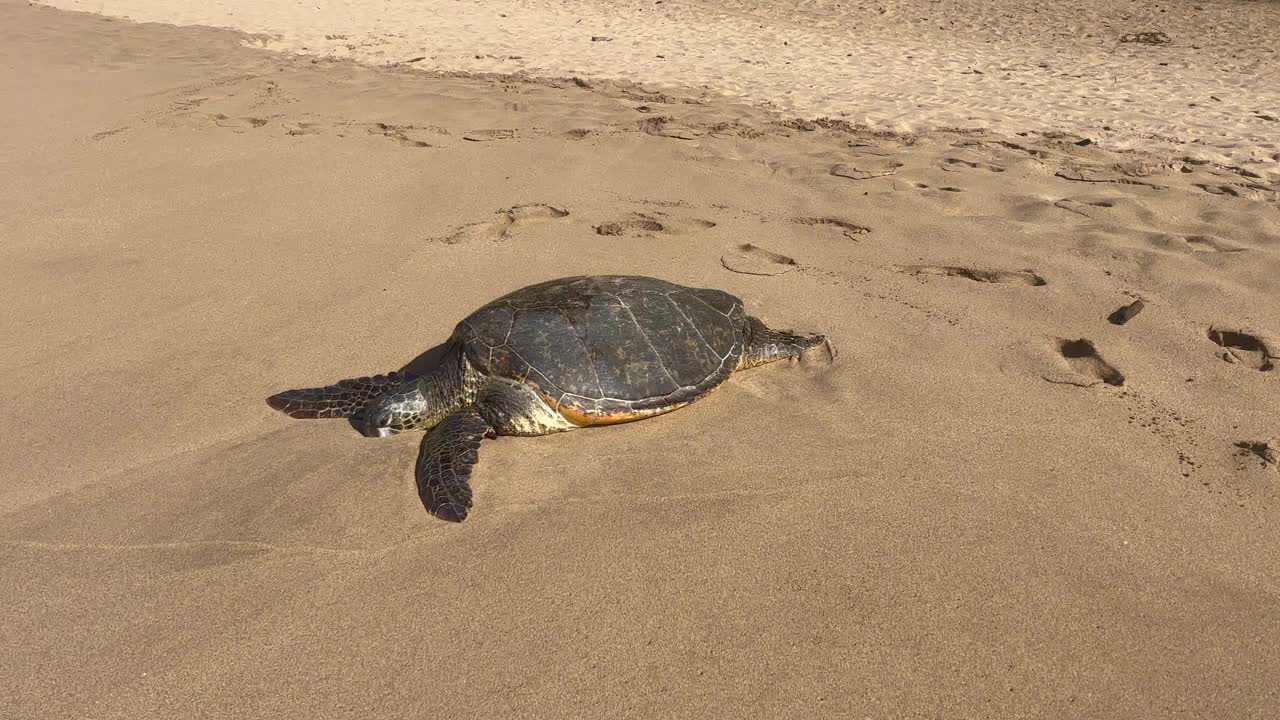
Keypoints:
pixel 608 349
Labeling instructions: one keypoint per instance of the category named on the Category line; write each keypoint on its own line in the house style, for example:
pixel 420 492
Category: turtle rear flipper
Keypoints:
pixel 444 464
pixel 343 399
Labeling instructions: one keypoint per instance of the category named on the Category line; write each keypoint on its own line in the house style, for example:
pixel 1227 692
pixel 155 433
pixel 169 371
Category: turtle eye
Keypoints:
pixel 375 421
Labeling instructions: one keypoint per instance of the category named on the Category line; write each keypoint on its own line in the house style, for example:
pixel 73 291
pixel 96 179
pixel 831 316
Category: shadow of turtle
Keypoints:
pixel 424 363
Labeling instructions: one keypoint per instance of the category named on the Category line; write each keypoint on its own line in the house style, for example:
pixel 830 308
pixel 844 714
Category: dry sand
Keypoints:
pixel 1208 85
pixel 960 517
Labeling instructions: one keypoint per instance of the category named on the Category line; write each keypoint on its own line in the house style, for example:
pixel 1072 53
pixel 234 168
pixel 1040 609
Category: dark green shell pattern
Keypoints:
pixel 609 346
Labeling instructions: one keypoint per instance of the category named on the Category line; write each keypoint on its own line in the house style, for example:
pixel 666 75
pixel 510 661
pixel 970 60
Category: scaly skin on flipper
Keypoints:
pixel 764 344
pixel 340 400
pixel 444 464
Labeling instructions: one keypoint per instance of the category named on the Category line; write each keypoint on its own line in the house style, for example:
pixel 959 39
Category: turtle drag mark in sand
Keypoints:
pixel 556 356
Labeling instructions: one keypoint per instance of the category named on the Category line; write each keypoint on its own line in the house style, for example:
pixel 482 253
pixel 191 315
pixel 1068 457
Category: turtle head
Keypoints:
pixel 404 409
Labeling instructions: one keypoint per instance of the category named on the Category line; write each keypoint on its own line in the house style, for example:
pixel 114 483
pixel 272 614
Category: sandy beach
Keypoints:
pixel 1040 479
pixel 1197 78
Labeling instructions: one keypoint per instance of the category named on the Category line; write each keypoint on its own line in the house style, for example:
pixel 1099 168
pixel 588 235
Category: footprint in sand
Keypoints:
pixel 866 168
pixel 1115 174
pixel 631 226
pixel 236 123
pixel 489 135
pixel 1209 244
pixel 1085 366
pixel 407 135
pixel 1248 191
pixel 658 222
pixel 1126 313
pixel 1244 349
pixel 1266 452
pixel 503 225
pixel 1088 207
pixel 1003 277
pixel 665 126
pixel 1061 361
pixel 848 229
pixel 957 165
pixel 677 133
pixel 301 128
pixel 751 259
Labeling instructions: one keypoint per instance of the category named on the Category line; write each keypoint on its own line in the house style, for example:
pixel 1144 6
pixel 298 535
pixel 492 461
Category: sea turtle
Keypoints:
pixel 559 355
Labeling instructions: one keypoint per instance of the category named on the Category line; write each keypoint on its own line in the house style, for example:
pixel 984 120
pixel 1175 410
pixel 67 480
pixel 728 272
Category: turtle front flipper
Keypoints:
pixel 445 461
pixel 342 399
pixel 764 344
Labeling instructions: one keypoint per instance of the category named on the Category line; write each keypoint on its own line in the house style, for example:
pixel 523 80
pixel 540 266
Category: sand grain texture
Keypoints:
pixel 964 516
